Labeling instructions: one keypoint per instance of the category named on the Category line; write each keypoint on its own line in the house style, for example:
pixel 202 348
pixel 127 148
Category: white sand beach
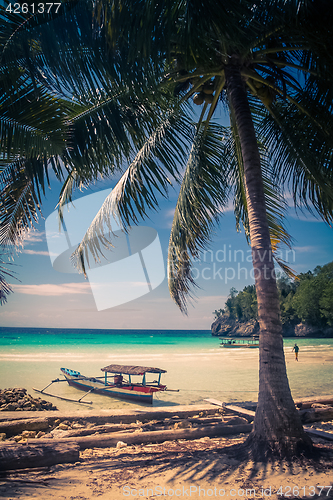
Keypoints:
pixel 186 469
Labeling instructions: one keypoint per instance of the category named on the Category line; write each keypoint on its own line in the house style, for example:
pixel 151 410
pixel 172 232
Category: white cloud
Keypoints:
pixel 168 216
pixel 34 236
pixel 212 299
pixel 169 213
pixel 229 207
pixel 305 249
pixel 308 217
pixel 289 199
pixel 40 252
pixel 49 289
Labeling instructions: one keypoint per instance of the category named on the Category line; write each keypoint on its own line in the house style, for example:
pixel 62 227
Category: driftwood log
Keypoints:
pixel 316 415
pixel 18 456
pixel 38 453
pixel 14 427
pixel 111 440
pixel 99 429
pixel 46 451
pixel 117 416
pixel 309 415
pixel 308 402
pixel 318 433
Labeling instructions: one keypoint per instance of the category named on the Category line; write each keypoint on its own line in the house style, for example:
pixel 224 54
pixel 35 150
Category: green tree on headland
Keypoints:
pixel 313 298
pixel 243 305
pixel 307 298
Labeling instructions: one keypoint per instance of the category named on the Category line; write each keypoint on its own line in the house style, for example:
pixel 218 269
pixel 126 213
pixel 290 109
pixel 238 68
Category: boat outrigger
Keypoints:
pixel 232 343
pixel 118 387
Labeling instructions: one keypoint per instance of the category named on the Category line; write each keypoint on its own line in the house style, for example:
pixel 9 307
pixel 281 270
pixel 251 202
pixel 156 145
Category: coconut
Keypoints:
pixel 194 80
pixel 258 85
pixel 209 98
pixel 266 96
pixel 267 100
pixel 208 88
pixel 198 99
pixel 263 91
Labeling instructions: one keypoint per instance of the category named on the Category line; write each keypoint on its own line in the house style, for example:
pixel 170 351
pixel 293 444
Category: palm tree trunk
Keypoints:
pixel 277 427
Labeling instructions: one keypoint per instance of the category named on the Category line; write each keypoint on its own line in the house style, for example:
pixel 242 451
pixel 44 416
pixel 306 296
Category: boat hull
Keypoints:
pixel 232 343
pixel 129 392
pixel 237 346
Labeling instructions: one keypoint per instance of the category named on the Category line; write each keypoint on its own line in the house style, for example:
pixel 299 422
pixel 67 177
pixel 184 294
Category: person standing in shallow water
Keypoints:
pixel 296 349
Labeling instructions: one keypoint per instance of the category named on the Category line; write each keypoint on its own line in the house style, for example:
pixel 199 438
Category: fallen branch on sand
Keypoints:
pixel 16 456
pixel 71 436
pixel 36 453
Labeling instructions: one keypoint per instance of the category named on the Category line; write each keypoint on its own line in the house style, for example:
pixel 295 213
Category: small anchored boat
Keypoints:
pixel 232 343
pixel 115 385
pixel 119 387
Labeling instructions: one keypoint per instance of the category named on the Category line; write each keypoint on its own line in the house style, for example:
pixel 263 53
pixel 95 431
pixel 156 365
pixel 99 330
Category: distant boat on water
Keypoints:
pixel 233 343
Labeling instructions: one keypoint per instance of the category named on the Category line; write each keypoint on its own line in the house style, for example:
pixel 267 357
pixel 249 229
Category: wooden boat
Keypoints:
pixel 129 389
pixel 232 343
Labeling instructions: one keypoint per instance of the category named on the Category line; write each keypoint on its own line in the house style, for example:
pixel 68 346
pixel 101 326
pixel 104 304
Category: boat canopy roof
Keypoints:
pixel 131 370
pixel 252 337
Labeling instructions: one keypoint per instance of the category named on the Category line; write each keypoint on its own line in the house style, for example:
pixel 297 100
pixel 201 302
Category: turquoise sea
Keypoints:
pixel 195 364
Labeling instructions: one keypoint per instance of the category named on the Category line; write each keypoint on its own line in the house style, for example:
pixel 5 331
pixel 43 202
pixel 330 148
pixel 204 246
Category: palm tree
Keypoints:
pixel 62 112
pixel 258 60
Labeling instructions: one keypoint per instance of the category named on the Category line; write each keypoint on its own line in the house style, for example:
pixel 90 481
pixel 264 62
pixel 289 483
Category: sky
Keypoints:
pixel 49 293
pixel 46 296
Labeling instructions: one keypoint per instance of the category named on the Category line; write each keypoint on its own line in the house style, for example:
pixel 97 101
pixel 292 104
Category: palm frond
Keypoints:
pixel 107 132
pixel 163 30
pixel 303 156
pixel 149 174
pixel 5 287
pixel 30 127
pixel 203 194
pixel 276 205
pixel 19 209
pixel 16 24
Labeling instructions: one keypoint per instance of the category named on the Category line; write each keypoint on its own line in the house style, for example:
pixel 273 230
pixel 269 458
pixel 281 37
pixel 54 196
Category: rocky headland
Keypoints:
pixel 224 326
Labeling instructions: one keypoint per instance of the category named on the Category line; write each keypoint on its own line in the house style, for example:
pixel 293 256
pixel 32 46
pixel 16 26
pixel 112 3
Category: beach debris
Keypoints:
pixel 63 426
pixel 17 399
pixel 111 429
pixel 189 425
pixel 182 425
pixel 319 433
pixel 22 456
pixel 237 421
pixel 312 402
pixel 29 434
pixel 14 427
pixel 76 425
pixel 316 414
pixel 121 444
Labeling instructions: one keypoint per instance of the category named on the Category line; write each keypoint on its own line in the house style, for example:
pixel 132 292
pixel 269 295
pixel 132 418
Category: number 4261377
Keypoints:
pixel 39 8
